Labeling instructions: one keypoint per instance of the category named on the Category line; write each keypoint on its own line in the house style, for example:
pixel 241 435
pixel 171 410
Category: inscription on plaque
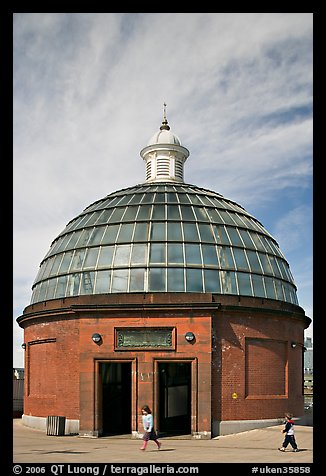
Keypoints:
pixel 144 338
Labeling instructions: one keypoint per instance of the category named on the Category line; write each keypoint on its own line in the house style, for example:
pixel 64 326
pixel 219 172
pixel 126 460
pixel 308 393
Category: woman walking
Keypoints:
pixel 149 434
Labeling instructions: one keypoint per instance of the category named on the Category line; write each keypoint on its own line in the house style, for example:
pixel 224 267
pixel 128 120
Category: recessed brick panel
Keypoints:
pixel 265 367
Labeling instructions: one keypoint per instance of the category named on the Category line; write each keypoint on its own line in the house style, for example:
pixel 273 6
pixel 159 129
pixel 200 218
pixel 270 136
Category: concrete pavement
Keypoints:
pixel 254 446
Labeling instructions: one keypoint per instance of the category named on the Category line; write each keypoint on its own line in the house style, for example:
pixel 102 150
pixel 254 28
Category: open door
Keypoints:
pixel 174 398
pixel 116 397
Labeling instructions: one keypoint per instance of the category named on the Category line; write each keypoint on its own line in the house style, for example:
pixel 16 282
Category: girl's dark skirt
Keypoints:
pixel 150 435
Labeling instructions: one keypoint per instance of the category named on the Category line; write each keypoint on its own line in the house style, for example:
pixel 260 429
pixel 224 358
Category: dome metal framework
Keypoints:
pixel 164 237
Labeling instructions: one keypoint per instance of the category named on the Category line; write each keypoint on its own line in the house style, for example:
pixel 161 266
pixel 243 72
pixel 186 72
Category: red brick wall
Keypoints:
pixel 255 372
pixel 52 369
pixel 199 354
pixel 251 355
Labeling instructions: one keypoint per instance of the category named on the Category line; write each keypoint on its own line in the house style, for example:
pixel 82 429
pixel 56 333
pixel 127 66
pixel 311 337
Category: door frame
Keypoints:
pixel 98 403
pixel 193 388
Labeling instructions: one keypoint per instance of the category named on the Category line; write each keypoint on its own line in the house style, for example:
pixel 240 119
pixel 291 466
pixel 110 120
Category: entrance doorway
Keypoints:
pixel 174 398
pixel 116 397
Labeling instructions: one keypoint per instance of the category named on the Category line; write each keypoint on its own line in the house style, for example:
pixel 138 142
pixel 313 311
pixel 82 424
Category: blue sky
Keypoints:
pixel 88 94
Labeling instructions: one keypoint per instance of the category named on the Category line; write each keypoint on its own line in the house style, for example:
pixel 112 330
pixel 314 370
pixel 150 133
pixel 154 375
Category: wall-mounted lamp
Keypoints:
pixel 190 336
pixel 24 346
pixel 295 344
pixel 96 338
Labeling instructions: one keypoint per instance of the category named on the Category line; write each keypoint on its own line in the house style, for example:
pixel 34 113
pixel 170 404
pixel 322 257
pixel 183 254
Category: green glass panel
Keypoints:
pixel 244 284
pixel 173 212
pixel 73 240
pixel 176 280
pixel 122 255
pixel 172 197
pixel 120 281
pixel 194 280
pixel 158 212
pixel 66 262
pixel 234 236
pixel 102 283
pixel 201 214
pixel 245 235
pixel 274 266
pixel 48 289
pixel 137 276
pixel 253 261
pixel 138 254
pixel 270 290
pixel 56 264
pixel 125 233
pixel 279 290
pixel 46 268
pixel 159 197
pixel 130 214
pixel 212 281
pixel 141 232
pixel 148 198
pixel 110 234
pixel 187 213
pixel 226 258
pixel 183 198
pixel 91 258
pixel 117 215
pixel 174 231
pixel 61 287
pixel 228 282
pixel 220 235
pixel 209 255
pixel 92 218
pixel 193 255
pixel 63 243
pixel 240 259
pixel 157 279
pixel 206 233
pixel 105 257
pixel 104 216
pixel 157 253
pixel 96 236
pixel 265 263
pixel 227 217
pixel 73 284
pixel 175 253
pixel 84 237
pixel 87 282
pixel 158 231
pixel 190 232
pixel 77 260
pixel 144 212
pixel 258 285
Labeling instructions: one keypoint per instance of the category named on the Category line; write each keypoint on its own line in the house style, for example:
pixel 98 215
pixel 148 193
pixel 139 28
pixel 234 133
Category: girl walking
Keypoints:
pixel 149 434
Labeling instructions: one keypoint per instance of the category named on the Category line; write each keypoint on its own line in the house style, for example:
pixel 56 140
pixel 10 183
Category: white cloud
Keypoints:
pixel 292 231
pixel 88 94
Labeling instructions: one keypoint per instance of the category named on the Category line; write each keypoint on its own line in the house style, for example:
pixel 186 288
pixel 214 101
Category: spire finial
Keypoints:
pixel 165 126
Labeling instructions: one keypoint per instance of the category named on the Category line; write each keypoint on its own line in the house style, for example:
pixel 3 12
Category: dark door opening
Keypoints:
pixel 116 397
pixel 174 398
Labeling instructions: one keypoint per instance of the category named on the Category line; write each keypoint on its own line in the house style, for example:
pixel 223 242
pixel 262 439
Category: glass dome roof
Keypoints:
pixel 164 237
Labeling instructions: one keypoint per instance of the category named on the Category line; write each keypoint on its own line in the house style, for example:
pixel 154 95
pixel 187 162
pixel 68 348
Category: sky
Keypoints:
pixel 88 94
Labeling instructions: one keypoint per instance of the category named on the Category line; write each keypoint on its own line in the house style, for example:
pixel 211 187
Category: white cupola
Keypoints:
pixel 164 155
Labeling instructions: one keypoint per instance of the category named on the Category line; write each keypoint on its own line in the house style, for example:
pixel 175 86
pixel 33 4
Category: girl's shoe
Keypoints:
pixel 143 449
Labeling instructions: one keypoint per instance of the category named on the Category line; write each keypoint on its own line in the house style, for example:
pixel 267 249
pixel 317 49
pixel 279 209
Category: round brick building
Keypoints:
pixel 164 294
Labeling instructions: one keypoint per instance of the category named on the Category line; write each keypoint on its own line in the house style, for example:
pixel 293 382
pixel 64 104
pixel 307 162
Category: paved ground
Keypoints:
pixel 255 446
